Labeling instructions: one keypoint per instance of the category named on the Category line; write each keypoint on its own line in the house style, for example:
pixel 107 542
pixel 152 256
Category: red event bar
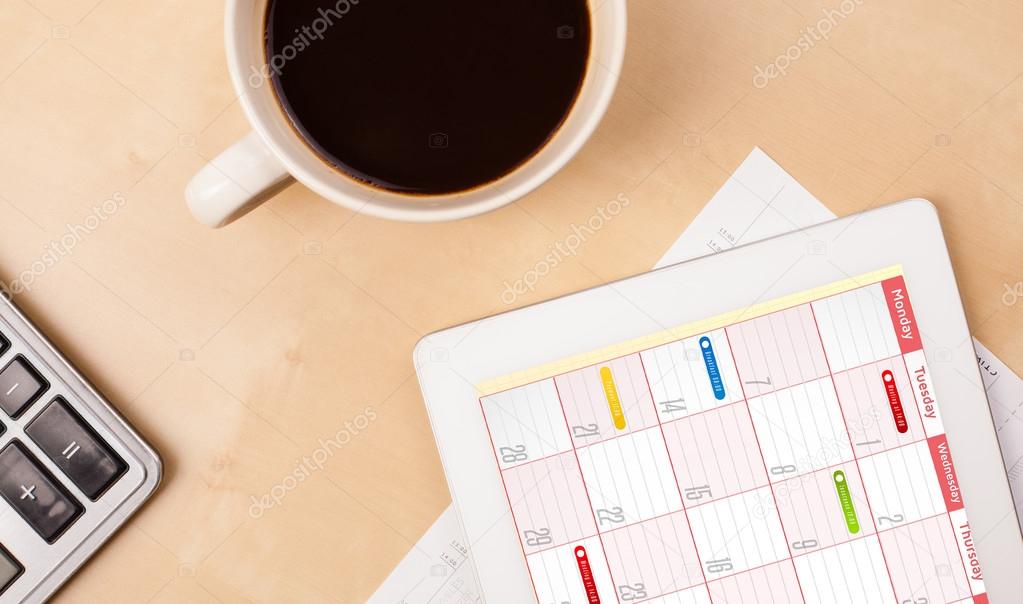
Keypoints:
pixel 947 478
pixel 895 401
pixel 901 311
pixel 587 575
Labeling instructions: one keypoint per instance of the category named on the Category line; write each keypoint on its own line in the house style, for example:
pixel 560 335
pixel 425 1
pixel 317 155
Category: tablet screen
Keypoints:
pixel 788 452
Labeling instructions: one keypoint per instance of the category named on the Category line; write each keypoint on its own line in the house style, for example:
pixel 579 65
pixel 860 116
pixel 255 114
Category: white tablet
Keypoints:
pixel 797 420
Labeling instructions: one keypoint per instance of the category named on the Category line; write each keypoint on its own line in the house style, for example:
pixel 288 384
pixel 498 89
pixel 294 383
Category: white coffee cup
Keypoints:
pixel 273 155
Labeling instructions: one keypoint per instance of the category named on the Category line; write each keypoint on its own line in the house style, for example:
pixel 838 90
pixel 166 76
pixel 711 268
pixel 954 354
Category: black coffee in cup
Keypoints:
pixel 427 97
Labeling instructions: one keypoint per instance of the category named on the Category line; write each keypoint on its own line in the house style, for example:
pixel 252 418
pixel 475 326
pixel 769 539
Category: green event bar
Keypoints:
pixel 851 521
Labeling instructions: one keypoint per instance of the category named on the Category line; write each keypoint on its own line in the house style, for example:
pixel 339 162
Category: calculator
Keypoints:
pixel 72 471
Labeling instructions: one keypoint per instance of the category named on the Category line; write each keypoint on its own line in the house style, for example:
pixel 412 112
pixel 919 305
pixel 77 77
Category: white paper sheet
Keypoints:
pixel 760 200
pixel 1005 394
pixel 437 570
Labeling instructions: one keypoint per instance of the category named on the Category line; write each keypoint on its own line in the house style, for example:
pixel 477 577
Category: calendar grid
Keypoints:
pixel 685 511
pixel 879 532
pixel 614 438
pixel 774 497
pixel 575 452
pixel 625 507
pixel 504 485
pixel 743 400
pixel 794 555
pixel 830 467
pixel 870 508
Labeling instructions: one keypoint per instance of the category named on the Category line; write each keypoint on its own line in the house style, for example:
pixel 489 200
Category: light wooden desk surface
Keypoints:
pixel 237 351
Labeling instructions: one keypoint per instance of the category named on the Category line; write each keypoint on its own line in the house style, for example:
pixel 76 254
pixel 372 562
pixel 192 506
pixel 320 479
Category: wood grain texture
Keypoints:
pixel 245 352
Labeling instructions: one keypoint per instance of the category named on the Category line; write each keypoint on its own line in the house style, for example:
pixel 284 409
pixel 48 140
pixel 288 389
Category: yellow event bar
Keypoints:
pixel 613 400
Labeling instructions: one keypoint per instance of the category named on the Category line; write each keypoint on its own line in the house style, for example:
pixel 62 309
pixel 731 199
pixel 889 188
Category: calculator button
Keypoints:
pixel 9 570
pixel 76 449
pixel 36 495
pixel 20 386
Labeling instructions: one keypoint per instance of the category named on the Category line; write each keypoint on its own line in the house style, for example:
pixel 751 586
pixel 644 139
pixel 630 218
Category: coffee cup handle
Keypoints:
pixel 236 182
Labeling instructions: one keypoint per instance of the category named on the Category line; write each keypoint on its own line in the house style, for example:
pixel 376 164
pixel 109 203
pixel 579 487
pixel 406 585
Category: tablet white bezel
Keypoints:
pixel 451 363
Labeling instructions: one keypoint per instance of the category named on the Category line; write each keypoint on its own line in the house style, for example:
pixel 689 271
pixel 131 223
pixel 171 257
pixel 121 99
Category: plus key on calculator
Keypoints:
pixel 72 471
